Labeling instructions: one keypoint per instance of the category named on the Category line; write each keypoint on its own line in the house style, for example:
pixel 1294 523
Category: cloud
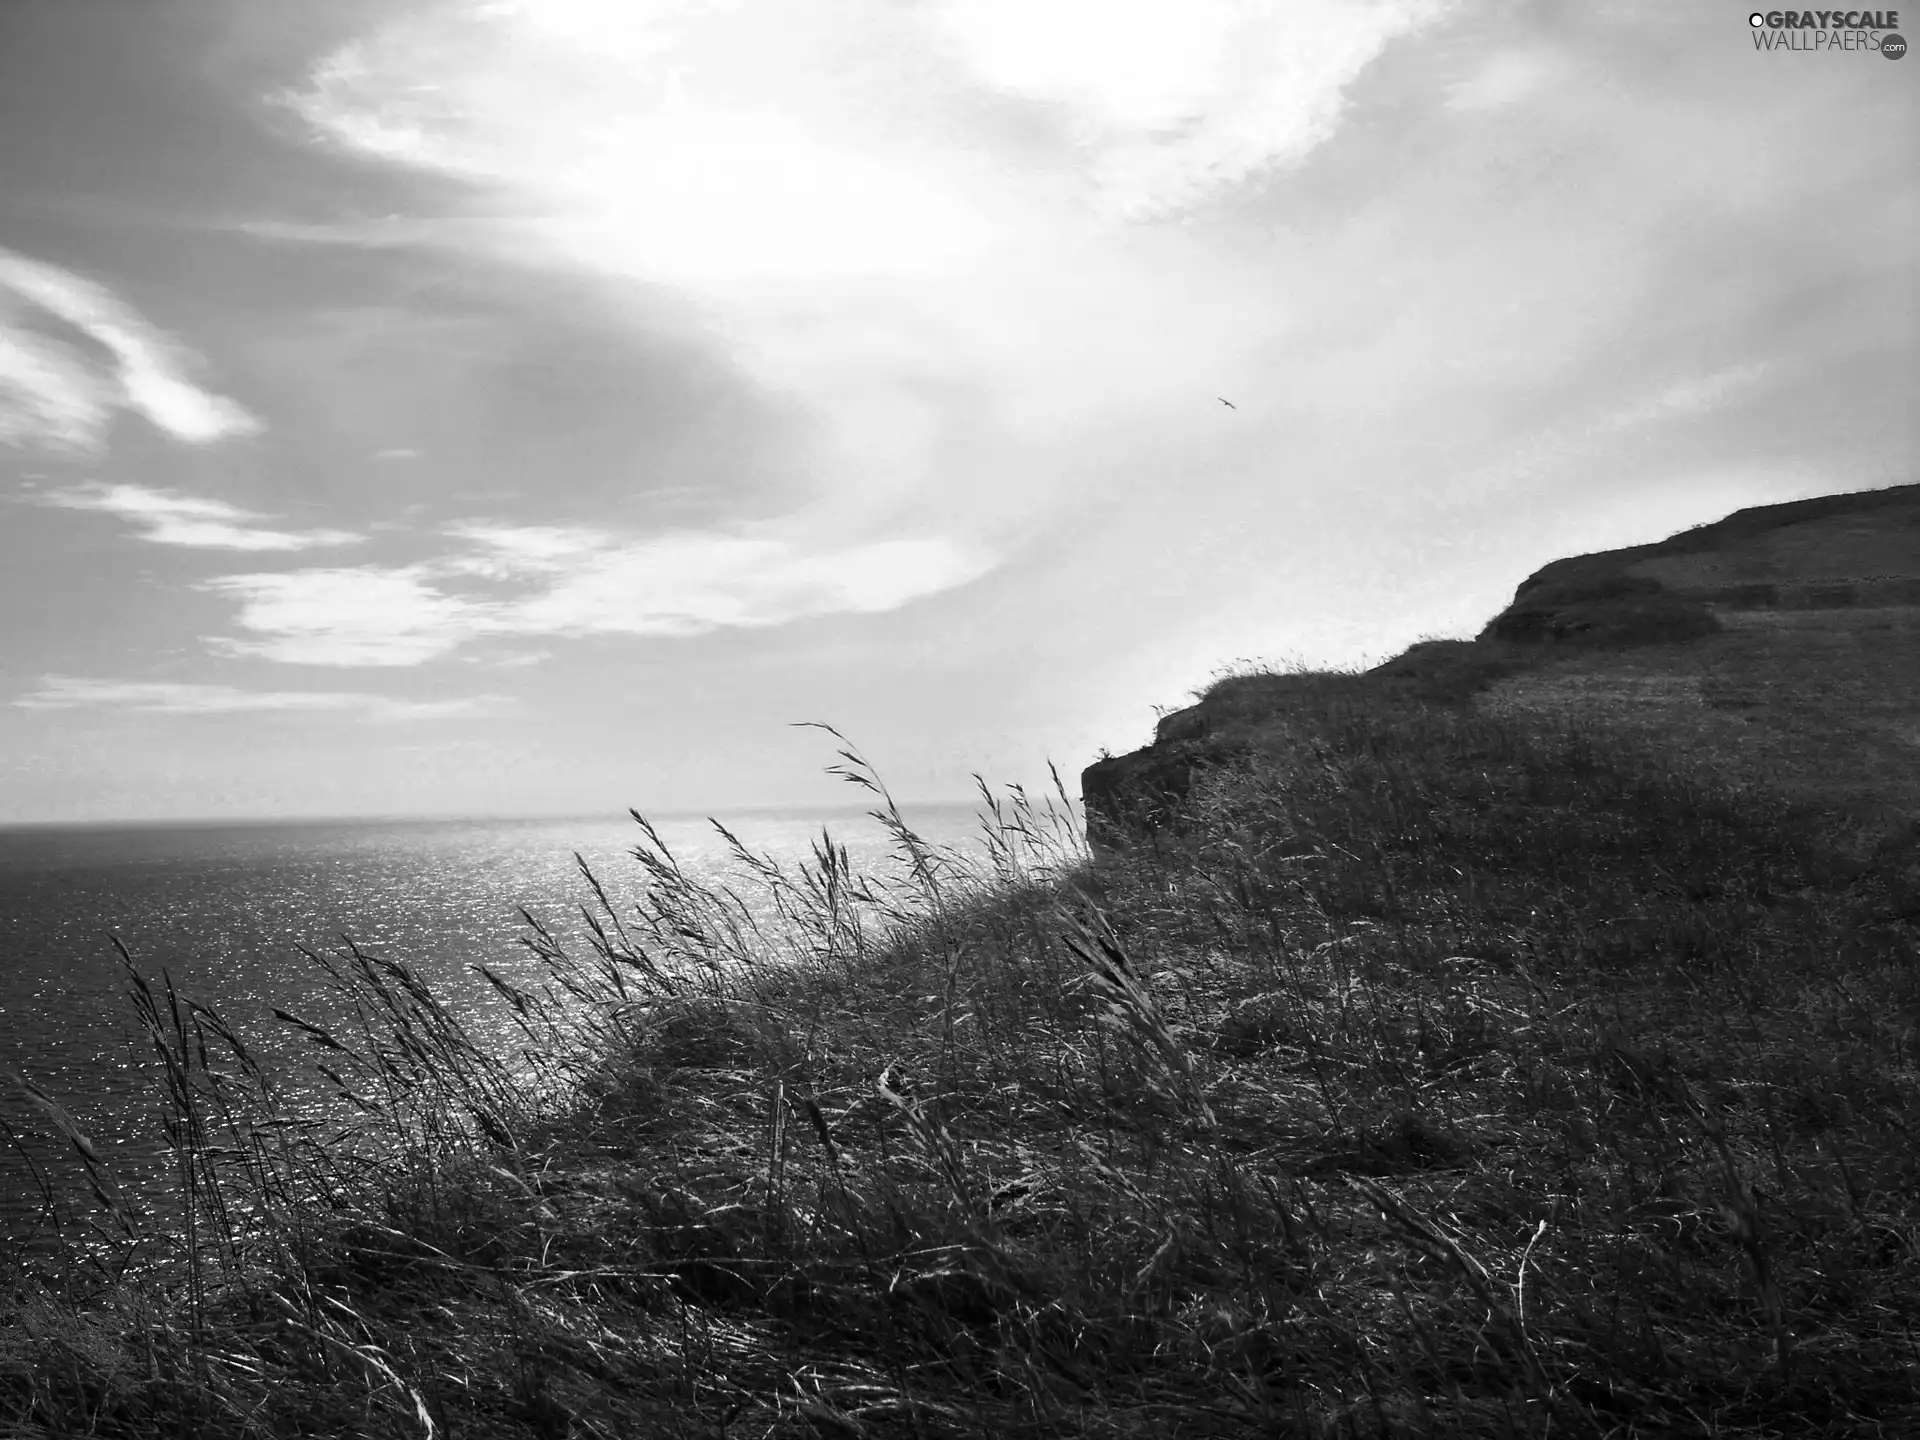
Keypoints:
pixel 170 519
pixel 936 240
pixel 575 583
pixel 715 143
pixel 351 616
pixel 1173 101
pixel 687 585
pixel 67 692
pixel 47 396
pixel 1145 206
pixel 61 391
pixel 617 165
pixel 504 551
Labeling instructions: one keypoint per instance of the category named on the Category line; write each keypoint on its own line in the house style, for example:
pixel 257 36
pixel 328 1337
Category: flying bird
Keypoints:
pixel 1226 402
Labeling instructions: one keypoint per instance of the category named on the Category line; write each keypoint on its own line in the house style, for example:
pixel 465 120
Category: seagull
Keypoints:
pixel 1226 402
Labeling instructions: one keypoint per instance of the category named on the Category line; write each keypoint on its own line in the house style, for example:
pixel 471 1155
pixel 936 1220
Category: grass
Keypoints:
pixel 1446 1073
pixel 1818 703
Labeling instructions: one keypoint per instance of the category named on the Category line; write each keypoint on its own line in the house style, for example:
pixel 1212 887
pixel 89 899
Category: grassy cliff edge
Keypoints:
pixel 1427 1054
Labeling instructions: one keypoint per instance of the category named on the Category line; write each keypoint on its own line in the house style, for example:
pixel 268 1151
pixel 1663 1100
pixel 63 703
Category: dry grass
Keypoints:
pixel 1450 1074
pixel 1823 705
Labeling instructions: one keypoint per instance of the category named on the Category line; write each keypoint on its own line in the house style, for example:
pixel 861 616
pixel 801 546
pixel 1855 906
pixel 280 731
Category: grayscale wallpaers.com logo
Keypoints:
pixel 1828 30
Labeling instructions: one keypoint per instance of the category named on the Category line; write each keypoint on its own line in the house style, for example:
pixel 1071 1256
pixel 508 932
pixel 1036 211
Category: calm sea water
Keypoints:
pixel 223 909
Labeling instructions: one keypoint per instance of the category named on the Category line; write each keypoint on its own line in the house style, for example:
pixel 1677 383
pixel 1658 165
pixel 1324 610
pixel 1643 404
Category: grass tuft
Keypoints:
pixel 1438 1074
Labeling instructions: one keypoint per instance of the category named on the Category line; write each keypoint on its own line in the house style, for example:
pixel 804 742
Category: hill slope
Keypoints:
pixel 1439 1068
pixel 1779 647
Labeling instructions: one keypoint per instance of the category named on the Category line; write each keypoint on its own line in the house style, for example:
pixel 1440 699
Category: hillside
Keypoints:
pixel 1515 1040
pixel 1779 646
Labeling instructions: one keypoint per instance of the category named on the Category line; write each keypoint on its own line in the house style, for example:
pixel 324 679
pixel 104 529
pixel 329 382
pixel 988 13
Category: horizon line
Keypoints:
pixel 211 822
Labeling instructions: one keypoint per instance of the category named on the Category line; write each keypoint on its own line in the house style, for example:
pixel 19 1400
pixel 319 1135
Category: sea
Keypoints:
pixel 223 911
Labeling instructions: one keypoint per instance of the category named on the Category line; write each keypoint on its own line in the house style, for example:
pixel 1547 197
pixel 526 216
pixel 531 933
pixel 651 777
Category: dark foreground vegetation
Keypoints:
pixel 1441 1073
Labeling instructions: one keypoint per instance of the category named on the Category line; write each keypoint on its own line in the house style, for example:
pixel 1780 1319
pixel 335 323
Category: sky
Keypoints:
pixel 496 407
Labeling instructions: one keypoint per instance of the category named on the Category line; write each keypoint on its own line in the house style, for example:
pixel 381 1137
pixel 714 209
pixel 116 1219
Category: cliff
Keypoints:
pixel 1754 643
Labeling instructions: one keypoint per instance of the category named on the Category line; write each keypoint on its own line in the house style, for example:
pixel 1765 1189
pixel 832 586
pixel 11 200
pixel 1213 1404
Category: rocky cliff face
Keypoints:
pixel 1852 552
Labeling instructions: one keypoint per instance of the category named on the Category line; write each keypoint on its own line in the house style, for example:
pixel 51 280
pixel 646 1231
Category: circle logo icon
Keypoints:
pixel 1892 46
pixel 1756 20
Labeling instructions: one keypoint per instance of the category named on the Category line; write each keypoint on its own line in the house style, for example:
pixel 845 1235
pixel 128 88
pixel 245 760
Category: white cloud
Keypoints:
pixel 47 396
pixel 503 551
pixel 927 233
pixel 350 616
pixel 575 583
pixel 1174 101
pixel 589 122
pixel 686 585
pixel 53 391
pixel 170 519
pixel 717 145
pixel 68 692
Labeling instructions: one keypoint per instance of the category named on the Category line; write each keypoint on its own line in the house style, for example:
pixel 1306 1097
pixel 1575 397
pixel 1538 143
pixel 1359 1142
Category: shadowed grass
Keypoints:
pixel 1442 1075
